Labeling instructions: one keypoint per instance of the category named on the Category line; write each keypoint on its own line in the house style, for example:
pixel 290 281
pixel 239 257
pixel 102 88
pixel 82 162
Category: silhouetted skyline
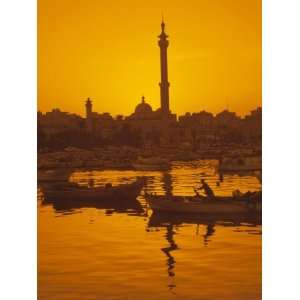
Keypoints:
pixel 112 56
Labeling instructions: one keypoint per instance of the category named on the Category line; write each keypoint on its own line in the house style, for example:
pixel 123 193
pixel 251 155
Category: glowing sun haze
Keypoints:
pixel 108 51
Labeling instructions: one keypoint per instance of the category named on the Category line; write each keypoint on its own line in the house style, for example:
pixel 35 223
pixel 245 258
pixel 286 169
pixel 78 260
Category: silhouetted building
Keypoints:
pixel 157 126
pixel 147 126
pixel 252 126
pixel 143 111
pixel 164 84
pixel 98 124
pixel 227 119
pixel 197 128
pixel 57 121
pixel 88 115
pixel 153 125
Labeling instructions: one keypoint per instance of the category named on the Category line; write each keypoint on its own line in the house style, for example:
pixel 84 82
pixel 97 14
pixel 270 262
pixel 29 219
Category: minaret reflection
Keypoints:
pixel 210 230
pixel 167 250
pixel 172 223
pixel 167 184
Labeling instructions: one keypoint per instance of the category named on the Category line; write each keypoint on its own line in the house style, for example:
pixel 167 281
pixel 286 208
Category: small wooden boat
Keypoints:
pixel 123 192
pixel 202 205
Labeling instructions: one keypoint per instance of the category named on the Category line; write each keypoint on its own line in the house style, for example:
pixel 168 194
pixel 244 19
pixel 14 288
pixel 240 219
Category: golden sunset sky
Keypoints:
pixel 108 51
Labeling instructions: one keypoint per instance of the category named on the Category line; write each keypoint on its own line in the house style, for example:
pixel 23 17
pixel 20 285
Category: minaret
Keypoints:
pixel 164 84
pixel 88 113
pixel 88 108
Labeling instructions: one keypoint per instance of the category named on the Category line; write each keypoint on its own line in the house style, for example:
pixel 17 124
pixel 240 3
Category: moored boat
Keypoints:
pixel 202 205
pixel 123 192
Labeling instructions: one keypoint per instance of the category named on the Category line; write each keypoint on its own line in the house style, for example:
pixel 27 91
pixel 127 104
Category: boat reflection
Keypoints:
pixel 167 184
pixel 172 223
pixel 159 219
pixel 210 230
pixel 132 207
pixel 167 251
pixel 71 196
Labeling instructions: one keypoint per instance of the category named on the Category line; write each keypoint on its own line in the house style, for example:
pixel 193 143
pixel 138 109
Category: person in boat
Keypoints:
pixel 256 196
pixel 249 194
pixel 108 185
pixel 237 194
pixel 91 183
pixel 207 190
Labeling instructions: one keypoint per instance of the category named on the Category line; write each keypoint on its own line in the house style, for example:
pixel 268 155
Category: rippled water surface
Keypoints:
pixel 109 253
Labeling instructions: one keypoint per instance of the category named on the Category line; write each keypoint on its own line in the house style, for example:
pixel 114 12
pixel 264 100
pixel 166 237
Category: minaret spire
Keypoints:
pixel 164 84
pixel 162 22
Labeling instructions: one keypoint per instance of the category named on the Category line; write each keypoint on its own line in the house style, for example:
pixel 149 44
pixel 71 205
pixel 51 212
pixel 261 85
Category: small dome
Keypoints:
pixel 143 107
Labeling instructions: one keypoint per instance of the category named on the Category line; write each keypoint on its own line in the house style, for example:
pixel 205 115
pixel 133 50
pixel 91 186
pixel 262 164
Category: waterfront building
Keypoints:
pixel 252 126
pixel 98 124
pixel 197 129
pixel 227 120
pixel 156 127
pixel 57 121
pixel 88 115
pixel 164 84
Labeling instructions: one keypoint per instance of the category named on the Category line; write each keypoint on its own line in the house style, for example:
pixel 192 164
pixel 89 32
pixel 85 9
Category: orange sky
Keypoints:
pixel 107 50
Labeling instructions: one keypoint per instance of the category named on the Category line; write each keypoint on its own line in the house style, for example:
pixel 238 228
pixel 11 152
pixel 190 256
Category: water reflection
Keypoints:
pixel 133 207
pixel 167 251
pixel 173 222
pixel 167 183
pixel 178 251
pixel 163 219
pixel 180 180
pixel 210 230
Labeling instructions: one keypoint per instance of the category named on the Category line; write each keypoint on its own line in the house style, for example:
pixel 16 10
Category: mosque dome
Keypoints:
pixel 143 107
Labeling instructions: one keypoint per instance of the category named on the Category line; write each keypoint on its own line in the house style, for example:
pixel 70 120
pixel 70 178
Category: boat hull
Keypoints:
pixel 190 205
pixel 125 192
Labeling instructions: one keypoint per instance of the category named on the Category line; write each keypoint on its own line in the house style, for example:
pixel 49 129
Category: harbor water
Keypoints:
pixel 131 253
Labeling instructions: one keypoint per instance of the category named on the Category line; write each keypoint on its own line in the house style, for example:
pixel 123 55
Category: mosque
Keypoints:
pixel 144 110
pixel 162 125
pixel 144 117
pixel 157 127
